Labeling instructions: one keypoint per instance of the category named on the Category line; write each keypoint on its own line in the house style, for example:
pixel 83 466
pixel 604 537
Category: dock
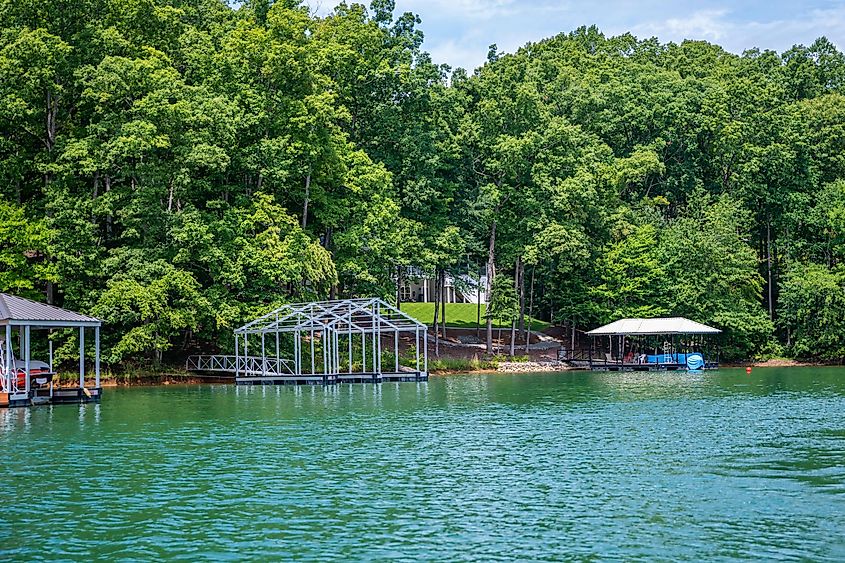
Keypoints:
pixel 323 343
pixel 25 381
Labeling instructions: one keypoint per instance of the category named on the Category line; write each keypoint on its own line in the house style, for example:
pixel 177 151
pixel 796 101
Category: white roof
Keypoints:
pixel 674 325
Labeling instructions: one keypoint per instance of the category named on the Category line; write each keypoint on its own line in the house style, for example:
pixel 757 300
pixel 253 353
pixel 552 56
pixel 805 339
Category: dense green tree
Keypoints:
pixel 179 167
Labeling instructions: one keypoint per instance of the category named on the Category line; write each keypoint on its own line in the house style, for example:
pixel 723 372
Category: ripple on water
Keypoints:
pixel 499 467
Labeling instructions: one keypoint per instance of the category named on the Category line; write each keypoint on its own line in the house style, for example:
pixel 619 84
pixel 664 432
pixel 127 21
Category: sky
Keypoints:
pixel 458 32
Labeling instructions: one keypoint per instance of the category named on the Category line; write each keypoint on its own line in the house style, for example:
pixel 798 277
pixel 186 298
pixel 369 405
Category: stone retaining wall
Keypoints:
pixel 529 367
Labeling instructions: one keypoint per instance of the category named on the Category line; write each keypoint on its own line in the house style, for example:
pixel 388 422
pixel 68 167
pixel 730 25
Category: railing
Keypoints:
pixel 243 365
pixel 565 354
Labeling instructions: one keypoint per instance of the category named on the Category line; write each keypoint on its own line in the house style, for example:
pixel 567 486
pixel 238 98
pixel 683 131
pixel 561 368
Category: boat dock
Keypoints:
pixel 25 381
pixel 324 343
pixel 254 370
pixel 658 344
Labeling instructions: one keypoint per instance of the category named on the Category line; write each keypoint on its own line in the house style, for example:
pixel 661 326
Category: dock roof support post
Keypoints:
pixel 26 358
pixel 313 367
pixel 363 352
pixel 237 364
pixel 8 366
pixel 263 357
pixel 417 346
pixel 337 352
pixel 425 348
pixel 296 354
pixel 82 357
pixel 377 312
pixel 350 351
pixel 325 353
pixel 375 350
pixel 396 348
pixel 97 357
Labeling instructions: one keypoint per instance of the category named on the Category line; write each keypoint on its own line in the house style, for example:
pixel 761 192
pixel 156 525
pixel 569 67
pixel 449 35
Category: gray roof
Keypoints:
pixel 674 325
pixel 19 311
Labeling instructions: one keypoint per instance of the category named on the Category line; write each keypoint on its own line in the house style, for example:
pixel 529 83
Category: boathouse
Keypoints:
pixel 25 381
pixel 326 342
pixel 652 344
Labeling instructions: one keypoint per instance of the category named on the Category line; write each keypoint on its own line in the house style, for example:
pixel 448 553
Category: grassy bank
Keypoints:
pixel 459 315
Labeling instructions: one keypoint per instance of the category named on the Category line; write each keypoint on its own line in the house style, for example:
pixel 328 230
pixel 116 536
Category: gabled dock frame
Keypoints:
pixel 337 327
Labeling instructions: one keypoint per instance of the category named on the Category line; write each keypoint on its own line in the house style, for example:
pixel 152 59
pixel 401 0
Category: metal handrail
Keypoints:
pixel 247 365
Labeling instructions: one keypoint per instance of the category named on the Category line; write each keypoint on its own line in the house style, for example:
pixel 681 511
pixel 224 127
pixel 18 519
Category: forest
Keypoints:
pixel 177 167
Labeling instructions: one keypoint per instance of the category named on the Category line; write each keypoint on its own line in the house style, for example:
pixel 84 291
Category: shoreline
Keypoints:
pixel 508 369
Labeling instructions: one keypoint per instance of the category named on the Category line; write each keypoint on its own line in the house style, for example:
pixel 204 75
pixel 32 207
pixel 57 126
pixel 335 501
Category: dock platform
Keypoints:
pixel 59 396
pixel 331 379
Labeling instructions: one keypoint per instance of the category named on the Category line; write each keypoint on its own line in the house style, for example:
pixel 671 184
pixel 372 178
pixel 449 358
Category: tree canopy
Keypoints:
pixel 177 167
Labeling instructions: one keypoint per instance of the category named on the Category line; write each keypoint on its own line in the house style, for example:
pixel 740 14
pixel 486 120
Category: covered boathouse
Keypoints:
pixel 25 381
pixel 652 344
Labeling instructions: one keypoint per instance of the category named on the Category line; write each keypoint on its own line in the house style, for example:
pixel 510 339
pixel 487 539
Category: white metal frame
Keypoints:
pixel 332 323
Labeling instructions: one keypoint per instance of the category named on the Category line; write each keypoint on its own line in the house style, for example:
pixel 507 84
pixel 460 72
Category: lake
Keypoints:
pixel 478 467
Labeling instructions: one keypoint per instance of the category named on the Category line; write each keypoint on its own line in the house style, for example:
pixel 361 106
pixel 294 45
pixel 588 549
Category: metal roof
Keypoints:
pixel 674 325
pixel 19 311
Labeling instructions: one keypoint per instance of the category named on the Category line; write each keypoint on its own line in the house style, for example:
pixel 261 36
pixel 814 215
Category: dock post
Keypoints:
pixel 425 349
pixel 325 352
pixel 417 347
pixel 396 348
pixel 297 354
pixel 9 358
pixel 246 353
pixel 263 356
pixel 82 357
pixel 97 357
pixel 237 364
pixel 336 352
pixel 26 359
pixel 375 351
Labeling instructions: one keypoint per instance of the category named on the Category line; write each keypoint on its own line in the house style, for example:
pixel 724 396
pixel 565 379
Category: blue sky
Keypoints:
pixel 458 32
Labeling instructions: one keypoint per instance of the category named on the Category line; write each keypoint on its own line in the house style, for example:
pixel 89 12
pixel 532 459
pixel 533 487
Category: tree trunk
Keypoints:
pixel 443 298
pixel 399 281
pixel 436 312
pixel 530 310
pixel 478 311
pixel 491 273
pixel 769 267
pixel 170 196
pixel 520 287
pixel 333 291
pixel 513 336
pixel 307 198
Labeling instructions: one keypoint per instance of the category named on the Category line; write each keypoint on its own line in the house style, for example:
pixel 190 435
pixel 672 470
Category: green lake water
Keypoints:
pixel 481 467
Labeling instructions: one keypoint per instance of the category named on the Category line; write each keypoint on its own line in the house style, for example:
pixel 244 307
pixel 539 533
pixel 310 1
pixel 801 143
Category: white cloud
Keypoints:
pixel 704 24
pixel 736 35
pixel 458 32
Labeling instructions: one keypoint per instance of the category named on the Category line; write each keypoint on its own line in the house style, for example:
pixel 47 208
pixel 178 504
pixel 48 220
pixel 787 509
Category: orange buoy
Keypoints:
pixel 748 370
